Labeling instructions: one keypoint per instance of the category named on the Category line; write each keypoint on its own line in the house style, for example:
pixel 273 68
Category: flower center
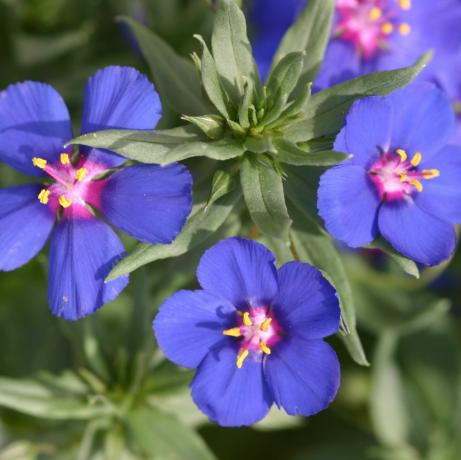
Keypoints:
pixel 368 24
pixel 396 177
pixel 73 185
pixel 257 330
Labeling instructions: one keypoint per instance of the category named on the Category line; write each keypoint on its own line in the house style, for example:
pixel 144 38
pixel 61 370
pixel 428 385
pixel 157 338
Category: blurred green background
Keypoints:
pixel 406 405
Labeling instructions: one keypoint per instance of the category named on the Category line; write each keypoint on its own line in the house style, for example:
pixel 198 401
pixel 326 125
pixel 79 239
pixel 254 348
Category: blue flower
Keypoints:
pixel 403 180
pixel 148 202
pixel 254 333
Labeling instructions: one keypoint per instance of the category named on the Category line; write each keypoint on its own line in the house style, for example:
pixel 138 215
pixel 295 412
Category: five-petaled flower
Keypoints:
pixel 148 202
pixel 254 333
pixel 403 180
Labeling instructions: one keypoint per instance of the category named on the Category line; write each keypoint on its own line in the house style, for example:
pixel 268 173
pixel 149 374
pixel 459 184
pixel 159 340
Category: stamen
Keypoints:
pixel 64 201
pixel 265 324
pixel 430 173
pixel 264 348
pixel 416 160
pixel 65 160
pixel 417 184
pixel 39 162
pixel 405 4
pixel 81 173
pixel 246 319
pixel 387 28
pixel 233 332
pixel 402 154
pixel 404 28
pixel 44 196
pixel 403 177
pixel 375 13
pixel 243 353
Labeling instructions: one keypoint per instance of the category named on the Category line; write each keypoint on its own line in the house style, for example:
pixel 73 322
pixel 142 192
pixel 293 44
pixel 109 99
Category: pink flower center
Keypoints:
pixel 73 185
pixel 368 24
pixel 396 177
pixel 257 330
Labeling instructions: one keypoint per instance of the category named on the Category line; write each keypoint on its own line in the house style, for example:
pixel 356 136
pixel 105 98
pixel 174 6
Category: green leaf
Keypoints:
pixel 388 405
pixel 264 197
pixel 223 183
pixel 310 34
pixel 162 146
pixel 326 109
pixel 290 153
pixel 232 49
pixel 313 245
pixel 42 399
pixel 210 80
pixel 204 221
pixel 248 96
pixel 176 78
pixel 213 126
pixel 407 265
pixel 161 435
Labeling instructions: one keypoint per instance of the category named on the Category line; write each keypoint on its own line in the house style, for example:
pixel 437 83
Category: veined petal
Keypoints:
pixel 190 323
pixel 423 120
pixel 34 122
pixel 415 233
pixel 441 196
pixel 348 204
pixel 83 251
pixel 118 98
pixel 303 375
pixel 25 225
pixel 368 129
pixel 241 271
pixel 227 395
pixel 306 304
pixel 148 202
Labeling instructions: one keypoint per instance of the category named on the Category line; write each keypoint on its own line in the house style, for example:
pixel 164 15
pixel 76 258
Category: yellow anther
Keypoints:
pixel 265 324
pixel 39 162
pixel 375 13
pixel 264 348
pixel 416 160
pixel 44 196
pixel 65 160
pixel 387 28
pixel 402 154
pixel 430 173
pixel 233 332
pixel 246 319
pixel 403 177
pixel 417 184
pixel 241 357
pixel 64 201
pixel 81 173
pixel 404 28
pixel 405 4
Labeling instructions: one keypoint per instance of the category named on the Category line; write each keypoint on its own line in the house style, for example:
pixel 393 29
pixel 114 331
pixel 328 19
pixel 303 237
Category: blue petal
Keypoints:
pixel 228 395
pixel 34 122
pixel 25 225
pixel 423 119
pixel 118 98
pixel 83 251
pixel 415 233
pixel 341 63
pixel 441 196
pixel 241 271
pixel 148 202
pixel 348 204
pixel 306 305
pixel 368 129
pixel 190 323
pixel 340 141
pixel 303 375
